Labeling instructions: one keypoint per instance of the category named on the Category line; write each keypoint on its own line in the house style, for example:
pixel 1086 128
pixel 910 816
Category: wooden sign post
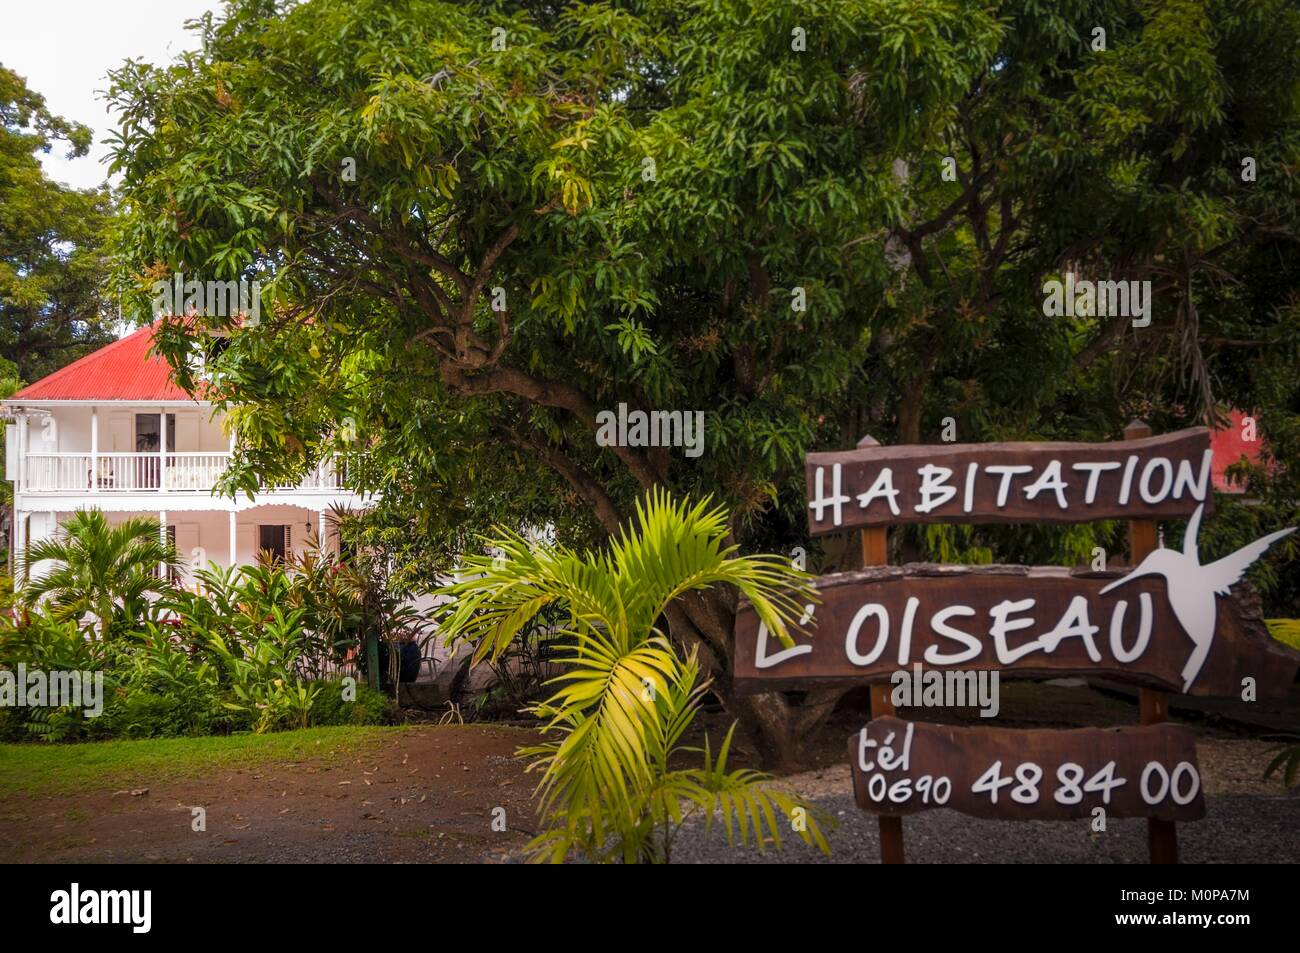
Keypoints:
pixel 1153 704
pixel 875 552
pixel 1166 623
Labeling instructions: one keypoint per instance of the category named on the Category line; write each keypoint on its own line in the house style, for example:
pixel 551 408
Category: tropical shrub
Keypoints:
pixel 7 595
pixel 188 675
pixel 369 707
pixel 521 670
pixel 98 569
pixel 609 789
pixel 186 688
pixel 42 641
pixel 385 611
pixel 247 652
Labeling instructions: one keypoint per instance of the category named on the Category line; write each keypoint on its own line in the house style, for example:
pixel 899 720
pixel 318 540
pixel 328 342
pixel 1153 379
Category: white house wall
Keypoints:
pixel 69 429
pixel 204 536
pixel 201 517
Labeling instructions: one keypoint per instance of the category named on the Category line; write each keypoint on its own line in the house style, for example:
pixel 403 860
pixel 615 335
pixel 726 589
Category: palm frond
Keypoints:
pixel 624 699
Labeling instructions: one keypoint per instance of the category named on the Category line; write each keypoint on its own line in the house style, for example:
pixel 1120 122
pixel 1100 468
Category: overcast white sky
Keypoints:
pixel 64 49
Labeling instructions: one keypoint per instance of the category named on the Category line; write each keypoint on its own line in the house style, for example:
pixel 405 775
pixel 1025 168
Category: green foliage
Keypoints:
pixel 260 673
pixel 9 383
pixel 52 261
pixel 522 169
pixel 1286 761
pixel 624 698
pixel 368 707
pixel 774 169
pixel 521 669
pixel 48 642
pixel 104 570
pixel 7 597
pixel 240 655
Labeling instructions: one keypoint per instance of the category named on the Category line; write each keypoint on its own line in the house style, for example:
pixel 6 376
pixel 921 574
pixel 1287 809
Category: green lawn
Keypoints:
pixel 1286 631
pixel 60 769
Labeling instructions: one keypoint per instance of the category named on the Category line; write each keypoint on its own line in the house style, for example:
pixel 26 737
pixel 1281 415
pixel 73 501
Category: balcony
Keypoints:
pixel 149 473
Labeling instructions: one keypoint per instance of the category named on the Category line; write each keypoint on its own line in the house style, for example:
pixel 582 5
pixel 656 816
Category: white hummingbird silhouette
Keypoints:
pixel 1192 587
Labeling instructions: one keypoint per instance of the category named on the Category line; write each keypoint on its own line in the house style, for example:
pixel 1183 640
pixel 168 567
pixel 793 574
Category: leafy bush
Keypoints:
pixel 194 674
pixel 369 707
pixel 139 713
pixel 246 653
pixel 98 568
pixel 7 597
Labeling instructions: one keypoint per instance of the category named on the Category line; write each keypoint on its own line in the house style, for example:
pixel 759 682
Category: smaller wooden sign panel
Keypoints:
pixel 903 767
pixel 1152 478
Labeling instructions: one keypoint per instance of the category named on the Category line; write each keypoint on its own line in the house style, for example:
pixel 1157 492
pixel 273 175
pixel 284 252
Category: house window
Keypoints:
pixel 146 433
pixel 147 440
pixel 273 539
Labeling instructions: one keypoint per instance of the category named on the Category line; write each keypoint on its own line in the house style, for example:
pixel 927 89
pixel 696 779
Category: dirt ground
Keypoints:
pixel 432 794
pixel 426 795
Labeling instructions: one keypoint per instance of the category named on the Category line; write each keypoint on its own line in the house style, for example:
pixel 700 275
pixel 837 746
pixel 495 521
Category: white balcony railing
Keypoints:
pixel 148 473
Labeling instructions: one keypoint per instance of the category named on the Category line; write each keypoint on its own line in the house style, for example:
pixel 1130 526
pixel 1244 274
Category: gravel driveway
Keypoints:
pixel 1236 828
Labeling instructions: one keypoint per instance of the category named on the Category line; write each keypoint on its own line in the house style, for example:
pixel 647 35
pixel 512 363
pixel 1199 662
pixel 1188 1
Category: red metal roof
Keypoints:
pixel 123 370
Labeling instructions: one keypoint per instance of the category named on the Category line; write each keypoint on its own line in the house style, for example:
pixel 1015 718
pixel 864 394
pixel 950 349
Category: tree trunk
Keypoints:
pixel 781 731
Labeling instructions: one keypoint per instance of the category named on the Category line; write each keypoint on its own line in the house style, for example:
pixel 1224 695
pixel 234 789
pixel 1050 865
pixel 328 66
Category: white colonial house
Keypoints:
pixel 112 431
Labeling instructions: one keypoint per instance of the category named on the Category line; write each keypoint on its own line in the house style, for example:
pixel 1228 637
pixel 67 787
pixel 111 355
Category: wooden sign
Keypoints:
pixel 1165 476
pixel 1171 623
pixel 902 767
pixel 1040 621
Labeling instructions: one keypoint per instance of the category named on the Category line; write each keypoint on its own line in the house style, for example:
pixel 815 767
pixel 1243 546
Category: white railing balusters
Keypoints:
pixel 107 472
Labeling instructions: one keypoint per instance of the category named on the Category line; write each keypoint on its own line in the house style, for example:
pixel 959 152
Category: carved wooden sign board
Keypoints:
pixel 902 767
pixel 1171 623
pixel 1041 621
pixel 1166 476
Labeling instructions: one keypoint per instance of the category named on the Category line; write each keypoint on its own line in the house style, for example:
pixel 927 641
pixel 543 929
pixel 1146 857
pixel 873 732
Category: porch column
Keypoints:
pixel 162 451
pixel 20 545
pixel 22 452
pixel 94 449
pixel 232 539
pixel 320 532
pixel 162 536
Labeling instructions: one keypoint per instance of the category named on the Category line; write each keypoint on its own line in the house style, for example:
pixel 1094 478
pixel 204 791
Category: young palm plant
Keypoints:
pixel 107 571
pixel 611 786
